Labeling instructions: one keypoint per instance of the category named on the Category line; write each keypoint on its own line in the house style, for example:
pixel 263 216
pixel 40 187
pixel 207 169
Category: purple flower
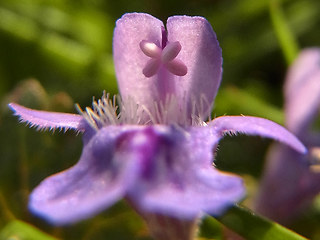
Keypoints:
pixel 289 177
pixel 155 150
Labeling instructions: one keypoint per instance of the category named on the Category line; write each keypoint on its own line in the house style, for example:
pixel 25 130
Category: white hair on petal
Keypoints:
pixel 111 111
pixel 114 111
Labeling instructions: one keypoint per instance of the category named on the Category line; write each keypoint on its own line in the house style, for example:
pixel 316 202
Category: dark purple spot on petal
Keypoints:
pixel 164 37
pixel 149 147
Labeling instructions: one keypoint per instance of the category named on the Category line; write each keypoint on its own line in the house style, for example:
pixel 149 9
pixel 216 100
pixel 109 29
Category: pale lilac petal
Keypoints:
pixel 291 183
pixel 201 54
pixel 183 183
pixel 194 83
pixel 48 120
pixel 255 126
pixel 302 91
pixel 97 181
pixel 130 60
pixel 288 176
pixel 206 191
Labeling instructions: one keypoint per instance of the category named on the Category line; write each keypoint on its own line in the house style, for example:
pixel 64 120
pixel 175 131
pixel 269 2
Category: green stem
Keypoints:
pixel 253 227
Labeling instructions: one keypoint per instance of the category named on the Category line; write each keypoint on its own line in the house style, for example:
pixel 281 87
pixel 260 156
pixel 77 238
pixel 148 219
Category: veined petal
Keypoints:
pixel 207 191
pixel 302 91
pixel 48 120
pixel 129 59
pixel 201 53
pixel 255 126
pixel 97 181
pixel 181 181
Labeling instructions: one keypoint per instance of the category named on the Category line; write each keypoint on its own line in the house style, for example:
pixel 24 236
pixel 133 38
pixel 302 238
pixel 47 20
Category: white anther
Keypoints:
pixel 166 56
pixel 150 49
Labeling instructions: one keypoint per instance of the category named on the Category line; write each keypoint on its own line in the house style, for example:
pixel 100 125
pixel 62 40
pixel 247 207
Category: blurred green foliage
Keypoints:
pixel 20 230
pixel 58 52
pixel 248 225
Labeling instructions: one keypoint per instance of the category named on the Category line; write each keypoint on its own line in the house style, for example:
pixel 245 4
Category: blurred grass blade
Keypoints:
pixel 252 227
pixel 22 28
pixel 5 213
pixel 210 228
pixel 20 230
pixel 285 36
pixel 70 56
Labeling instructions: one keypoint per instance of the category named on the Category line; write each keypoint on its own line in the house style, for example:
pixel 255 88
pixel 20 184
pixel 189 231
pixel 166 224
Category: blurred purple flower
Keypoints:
pixel 291 178
pixel 155 150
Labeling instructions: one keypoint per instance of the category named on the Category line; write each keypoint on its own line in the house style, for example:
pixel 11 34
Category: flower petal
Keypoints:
pixel 129 59
pixel 201 54
pixel 302 91
pixel 208 190
pixel 97 181
pixel 48 120
pixel 181 181
pixel 255 126
pixel 291 183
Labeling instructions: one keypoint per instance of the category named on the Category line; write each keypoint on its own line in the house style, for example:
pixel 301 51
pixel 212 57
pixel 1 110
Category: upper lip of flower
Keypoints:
pixel 187 45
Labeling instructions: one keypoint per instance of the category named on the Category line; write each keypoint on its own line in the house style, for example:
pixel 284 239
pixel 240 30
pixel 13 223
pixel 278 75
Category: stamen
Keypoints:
pixel 177 67
pixel 151 67
pixel 170 52
pixel 166 56
pixel 150 49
